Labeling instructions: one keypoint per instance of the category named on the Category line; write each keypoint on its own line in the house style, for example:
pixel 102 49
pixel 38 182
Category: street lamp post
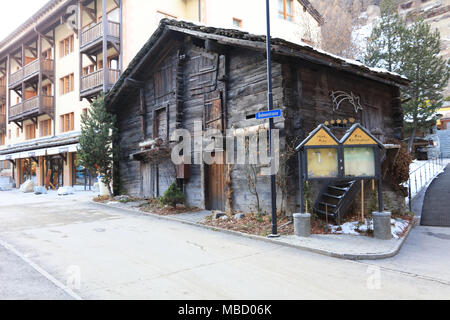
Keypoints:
pixel 271 125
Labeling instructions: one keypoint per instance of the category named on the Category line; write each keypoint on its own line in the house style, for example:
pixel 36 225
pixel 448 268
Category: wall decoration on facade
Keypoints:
pixel 340 96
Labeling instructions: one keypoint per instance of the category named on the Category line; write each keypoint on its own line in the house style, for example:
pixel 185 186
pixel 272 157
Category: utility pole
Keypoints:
pixel 271 126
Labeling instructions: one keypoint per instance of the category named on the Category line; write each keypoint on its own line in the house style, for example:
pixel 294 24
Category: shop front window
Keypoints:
pixel 81 178
pixel 54 173
pixel 29 170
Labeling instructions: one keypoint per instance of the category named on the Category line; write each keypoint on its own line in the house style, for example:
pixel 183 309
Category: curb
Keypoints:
pixel 344 256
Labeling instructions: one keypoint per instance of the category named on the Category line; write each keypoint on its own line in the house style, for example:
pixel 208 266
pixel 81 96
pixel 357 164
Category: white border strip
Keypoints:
pixel 44 273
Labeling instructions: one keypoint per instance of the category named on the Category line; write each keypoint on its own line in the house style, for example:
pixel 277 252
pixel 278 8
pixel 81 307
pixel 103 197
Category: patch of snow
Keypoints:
pixel 356 228
pixel 398 227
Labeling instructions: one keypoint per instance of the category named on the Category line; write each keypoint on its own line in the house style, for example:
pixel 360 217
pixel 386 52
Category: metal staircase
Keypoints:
pixel 336 198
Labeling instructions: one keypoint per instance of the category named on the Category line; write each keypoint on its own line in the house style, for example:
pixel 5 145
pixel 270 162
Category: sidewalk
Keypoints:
pixel 339 246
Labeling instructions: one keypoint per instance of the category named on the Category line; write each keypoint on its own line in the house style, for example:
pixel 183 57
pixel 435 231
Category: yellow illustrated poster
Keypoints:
pixel 358 136
pixel 322 138
pixel 359 162
pixel 322 163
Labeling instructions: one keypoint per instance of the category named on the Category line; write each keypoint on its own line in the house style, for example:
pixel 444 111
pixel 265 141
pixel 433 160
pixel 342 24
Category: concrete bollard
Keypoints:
pixel 302 224
pixel 382 225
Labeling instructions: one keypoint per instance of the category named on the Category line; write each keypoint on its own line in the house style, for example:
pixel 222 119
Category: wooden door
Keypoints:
pixel 215 173
pixel 215 195
pixel 147 181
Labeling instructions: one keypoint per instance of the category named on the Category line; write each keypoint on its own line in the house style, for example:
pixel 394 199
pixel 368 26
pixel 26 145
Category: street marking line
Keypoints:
pixel 44 273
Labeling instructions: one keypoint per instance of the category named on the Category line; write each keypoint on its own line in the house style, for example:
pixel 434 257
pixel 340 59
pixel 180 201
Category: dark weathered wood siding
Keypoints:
pixel 186 75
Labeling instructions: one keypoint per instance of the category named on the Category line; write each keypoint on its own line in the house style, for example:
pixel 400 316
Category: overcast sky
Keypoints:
pixel 14 13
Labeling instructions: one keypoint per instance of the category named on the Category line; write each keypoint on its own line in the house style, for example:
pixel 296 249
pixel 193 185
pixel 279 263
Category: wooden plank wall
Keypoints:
pixel 195 74
pixel 307 90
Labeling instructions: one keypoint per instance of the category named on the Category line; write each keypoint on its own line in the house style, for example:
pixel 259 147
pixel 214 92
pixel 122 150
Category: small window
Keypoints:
pixel 2 110
pixel 17 132
pixel 47 54
pixel 2 139
pixel 66 84
pixel 66 46
pixel 9 134
pixel 237 23
pixel 5 165
pixel 47 90
pixel 30 131
pixel 67 122
pixel 113 63
pixel 45 128
pixel 286 10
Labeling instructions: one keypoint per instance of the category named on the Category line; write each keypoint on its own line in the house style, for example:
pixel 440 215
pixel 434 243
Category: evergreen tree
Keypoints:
pixel 428 72
pixel 97 150
pixel 414 52
pixel 385 45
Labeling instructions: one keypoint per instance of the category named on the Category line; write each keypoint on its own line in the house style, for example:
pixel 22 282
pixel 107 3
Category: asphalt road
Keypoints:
pixel 436 209
pixel 105 253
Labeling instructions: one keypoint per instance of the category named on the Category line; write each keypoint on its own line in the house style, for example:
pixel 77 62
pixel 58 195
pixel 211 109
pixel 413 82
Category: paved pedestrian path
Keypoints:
pixel 436 208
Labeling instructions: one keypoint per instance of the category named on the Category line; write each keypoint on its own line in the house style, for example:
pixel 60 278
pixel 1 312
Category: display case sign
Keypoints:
pixel 357 156
pixel 320 149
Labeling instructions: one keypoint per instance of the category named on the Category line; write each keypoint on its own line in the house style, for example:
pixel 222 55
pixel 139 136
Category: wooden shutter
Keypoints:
pixel 213 114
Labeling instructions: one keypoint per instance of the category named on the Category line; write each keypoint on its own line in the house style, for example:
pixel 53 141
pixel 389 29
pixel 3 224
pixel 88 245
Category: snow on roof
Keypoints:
pixel 299 43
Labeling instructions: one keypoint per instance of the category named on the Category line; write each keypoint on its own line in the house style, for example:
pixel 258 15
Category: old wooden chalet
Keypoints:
pixel 187 73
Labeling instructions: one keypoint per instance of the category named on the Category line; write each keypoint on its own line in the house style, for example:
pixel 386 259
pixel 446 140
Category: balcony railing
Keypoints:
pixel 31 69
pixel 95 79
pixel 37 105
pixel 95 32
pixel 15 77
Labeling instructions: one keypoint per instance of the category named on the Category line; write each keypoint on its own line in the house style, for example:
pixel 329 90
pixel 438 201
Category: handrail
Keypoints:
pixel 38 65
pixel 37 102
pixel 96 31
pixel 96 79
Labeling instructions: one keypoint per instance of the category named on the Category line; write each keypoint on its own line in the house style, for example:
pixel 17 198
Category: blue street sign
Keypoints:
pixel 268 114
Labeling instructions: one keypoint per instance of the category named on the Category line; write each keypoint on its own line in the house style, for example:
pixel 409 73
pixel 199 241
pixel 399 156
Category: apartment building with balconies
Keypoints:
pixel 66 54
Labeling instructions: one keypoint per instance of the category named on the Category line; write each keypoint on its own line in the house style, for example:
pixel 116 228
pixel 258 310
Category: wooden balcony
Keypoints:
pixel 46 66
pixel 93 82
pixel 35 106
pixel 94 35
pixel 2 93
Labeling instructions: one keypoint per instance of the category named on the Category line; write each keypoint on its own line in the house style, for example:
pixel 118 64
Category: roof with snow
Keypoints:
pixel 238 38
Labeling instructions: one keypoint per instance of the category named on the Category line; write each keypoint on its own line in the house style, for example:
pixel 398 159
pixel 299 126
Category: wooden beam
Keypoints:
pixel 49 40
pixel 19 124
pixel 32 50
pixel 90 12
pixel 18 93
pixel 134 83
pixel 115 47
pixel 90 58
pixel 143 111
pixel 19 61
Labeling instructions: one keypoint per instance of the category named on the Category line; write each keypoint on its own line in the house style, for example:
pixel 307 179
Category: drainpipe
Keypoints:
pixel 200 11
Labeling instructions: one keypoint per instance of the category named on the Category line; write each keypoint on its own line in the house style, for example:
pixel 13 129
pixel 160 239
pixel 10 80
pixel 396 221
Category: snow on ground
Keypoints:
pixel 355 228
